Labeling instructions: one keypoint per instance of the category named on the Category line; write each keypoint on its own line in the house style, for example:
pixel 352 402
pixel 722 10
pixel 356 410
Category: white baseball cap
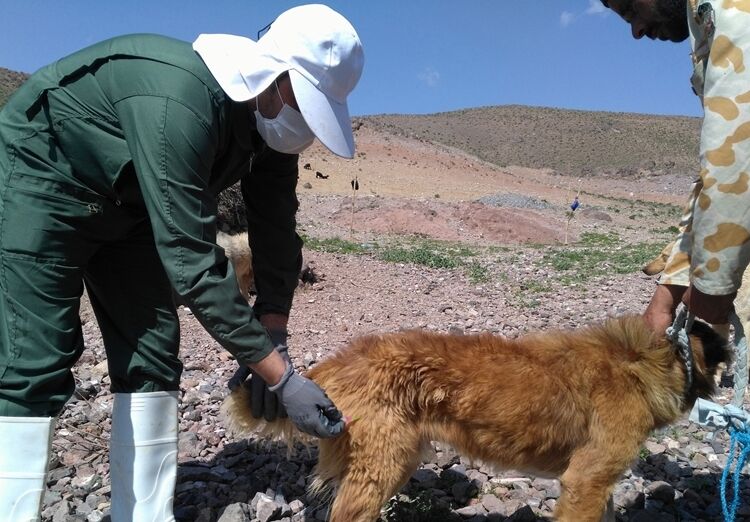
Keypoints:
pixel 322 53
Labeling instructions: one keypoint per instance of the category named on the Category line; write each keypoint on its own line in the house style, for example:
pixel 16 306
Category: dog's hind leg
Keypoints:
pixel 362 493
pixel 376 469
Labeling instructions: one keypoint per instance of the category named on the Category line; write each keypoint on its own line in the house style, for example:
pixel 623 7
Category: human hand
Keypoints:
pixel 265 403
pixel 660 312
pixel 308 406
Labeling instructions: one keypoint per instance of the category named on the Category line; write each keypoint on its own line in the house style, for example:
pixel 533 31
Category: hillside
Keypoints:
pixel 9 82
pixel 572 142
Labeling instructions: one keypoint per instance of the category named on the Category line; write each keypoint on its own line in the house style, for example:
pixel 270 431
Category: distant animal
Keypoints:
pixel 577 405
pixel 321 175
pixel 237 249
pixel 307 166
pixel 657 264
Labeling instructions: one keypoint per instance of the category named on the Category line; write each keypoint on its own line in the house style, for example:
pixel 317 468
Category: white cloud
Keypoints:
pixel 429 76
pixel 567 18
pixel 596 7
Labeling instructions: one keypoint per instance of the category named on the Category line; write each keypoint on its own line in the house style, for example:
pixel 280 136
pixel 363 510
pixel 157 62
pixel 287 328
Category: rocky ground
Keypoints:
pixel 223 478
pixel 399 257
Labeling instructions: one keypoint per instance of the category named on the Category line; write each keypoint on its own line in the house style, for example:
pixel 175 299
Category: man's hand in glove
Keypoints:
pixel 308 406
pixel 264 403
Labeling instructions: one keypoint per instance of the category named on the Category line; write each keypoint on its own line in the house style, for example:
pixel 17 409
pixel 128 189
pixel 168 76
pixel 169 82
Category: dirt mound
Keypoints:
pixel 455 221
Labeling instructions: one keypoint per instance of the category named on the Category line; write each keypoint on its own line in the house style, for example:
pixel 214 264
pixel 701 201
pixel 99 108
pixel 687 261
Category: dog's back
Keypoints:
pixel 522 399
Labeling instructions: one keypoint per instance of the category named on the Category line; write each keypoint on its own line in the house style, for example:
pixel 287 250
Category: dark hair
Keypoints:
pixel 606 4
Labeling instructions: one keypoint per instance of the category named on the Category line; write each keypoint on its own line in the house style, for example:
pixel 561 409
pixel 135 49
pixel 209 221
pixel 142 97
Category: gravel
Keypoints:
pixel 675 476
pixel 514 201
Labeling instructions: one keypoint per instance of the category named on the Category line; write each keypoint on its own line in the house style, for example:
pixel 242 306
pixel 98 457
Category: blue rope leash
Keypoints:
pixel 730 417
pixel 741 438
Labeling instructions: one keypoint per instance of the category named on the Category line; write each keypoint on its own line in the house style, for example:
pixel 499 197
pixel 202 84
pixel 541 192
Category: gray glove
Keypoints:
pixel 308 406
pixel 264 403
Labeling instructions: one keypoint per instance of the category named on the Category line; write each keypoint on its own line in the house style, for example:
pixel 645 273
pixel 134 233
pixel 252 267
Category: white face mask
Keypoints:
pixel 288 132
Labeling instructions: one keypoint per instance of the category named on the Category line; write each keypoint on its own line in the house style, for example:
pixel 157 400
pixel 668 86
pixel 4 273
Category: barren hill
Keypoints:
pixel 569 141
pixel 9 82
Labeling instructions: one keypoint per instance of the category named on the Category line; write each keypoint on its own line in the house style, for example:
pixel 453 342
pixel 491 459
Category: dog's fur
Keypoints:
pixel 237 250
pixel 577 405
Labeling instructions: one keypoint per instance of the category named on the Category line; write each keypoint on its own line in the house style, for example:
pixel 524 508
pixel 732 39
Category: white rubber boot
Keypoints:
pixel 143 456
pixel 24 455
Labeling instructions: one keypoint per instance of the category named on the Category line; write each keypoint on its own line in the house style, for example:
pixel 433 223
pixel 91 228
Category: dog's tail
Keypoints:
pixel 240 421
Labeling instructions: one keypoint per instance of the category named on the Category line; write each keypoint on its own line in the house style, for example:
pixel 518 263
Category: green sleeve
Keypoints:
pixel 270 197
pixel 173 150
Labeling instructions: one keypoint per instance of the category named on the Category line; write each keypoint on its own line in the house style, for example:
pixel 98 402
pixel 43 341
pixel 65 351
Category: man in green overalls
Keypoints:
pixel 712 250
pixel 110 163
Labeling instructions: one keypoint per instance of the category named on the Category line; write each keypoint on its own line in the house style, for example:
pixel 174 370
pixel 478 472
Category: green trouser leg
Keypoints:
pixel 135 309
pixel 42 260
pixel 52 236
pixel 40 336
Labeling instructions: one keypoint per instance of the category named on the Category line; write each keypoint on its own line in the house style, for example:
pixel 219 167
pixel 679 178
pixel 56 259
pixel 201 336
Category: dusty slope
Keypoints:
pixel 9 82
pixel 570 141
pixel 412 187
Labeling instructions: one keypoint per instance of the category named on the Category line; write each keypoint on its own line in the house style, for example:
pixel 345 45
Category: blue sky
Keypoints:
pixel 422 56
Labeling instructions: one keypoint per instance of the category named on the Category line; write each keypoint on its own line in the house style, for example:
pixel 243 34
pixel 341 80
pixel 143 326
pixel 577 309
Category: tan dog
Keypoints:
pixel 577 405
pixel 741 302
pixel 237 250
pixel 657 264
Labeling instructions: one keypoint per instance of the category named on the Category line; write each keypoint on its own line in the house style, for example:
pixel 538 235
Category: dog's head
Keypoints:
pixel 709 351
pixel 660 368
pixel 657 264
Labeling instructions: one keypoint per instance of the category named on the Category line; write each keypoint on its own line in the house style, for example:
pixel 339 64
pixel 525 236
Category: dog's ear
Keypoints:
pixel 716 349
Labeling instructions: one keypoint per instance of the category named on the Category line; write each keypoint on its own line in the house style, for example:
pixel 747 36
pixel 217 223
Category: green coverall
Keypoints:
pixel 110 163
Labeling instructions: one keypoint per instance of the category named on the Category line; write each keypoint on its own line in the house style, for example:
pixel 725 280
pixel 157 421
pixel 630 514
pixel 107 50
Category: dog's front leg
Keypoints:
pixel 587 486
pixel 609 514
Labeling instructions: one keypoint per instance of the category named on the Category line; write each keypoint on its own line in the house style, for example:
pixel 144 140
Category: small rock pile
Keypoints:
pixel 514 201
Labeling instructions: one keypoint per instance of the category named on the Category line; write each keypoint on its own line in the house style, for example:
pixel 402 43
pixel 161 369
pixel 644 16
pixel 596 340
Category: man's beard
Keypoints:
pixel 674 15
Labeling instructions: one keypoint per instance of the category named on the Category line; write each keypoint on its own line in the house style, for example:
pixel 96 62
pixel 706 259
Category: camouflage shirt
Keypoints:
pixel 713 247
